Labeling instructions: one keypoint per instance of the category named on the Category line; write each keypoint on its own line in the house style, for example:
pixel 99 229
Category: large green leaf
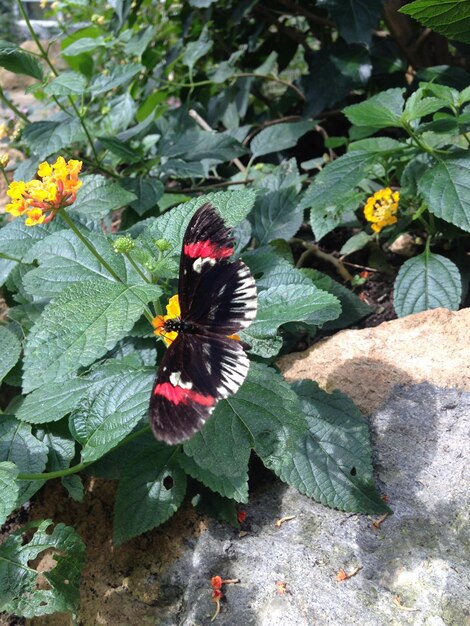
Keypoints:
pixel 110 412
pixel 8 489
pixel 52 401
pixel 380 111
pixel 81 325
pixel 61 445
pixel 276 215
pixel 10 349
pixel 150 494
pixel 195 144
pixel 119 75
pixel 65 260
pixel 195 50
pixel 356 20
pixel 16 238
pixel 148 192
pixel 427 281
pixel 331 461
pixel 279 137
pixel 21 589
pixel 324 218
pixel 450 18
pixel 21 447
pixel 292 303
pixel 445 187
pixel 45 138
pixel 19 61
pixel 99 196
pixel 66 84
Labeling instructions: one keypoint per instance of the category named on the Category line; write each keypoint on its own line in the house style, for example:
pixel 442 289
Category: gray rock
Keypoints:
pixel 421 553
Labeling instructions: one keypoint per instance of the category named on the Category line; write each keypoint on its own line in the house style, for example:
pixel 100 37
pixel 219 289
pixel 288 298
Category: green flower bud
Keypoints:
pixel 123 245
pixel 162 244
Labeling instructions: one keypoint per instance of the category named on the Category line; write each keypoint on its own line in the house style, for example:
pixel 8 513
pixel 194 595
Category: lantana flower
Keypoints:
pixel 381 208
pixel 172 310
pixel 40 200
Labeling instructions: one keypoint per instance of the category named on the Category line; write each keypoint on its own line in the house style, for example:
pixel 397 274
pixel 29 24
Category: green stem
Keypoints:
pixel 12 107
pixel 9 258
pixel 137 268
pixel 5 177
pixel 80 466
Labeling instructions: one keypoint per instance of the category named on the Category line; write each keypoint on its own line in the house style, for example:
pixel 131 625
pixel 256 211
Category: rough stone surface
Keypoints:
pixel 421 553
pixel 433 346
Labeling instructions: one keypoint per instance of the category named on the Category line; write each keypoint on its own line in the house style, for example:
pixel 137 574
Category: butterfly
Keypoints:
pixel 204 363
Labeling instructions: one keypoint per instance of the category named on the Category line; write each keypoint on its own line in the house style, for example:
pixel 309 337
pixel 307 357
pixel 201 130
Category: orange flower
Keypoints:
pixel 241 516
pixel 41 199
pixel 172 311
pixel 216 582
pixel 381 208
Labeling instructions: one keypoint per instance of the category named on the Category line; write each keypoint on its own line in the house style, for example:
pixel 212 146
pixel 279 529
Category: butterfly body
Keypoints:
pixel 204 363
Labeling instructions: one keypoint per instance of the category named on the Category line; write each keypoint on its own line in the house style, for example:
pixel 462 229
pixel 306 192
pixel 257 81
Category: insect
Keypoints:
pixel 204 363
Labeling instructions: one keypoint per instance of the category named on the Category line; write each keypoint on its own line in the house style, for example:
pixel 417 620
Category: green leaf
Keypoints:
pixel 279 137
pixel 276 215
pixel 151 493
pixel 235 486
pixel 98 196
pixel 335 183
pixel 25 315
pixel 74 486
pixel 331 460
pixel 195 50
pixel 110 412
pixel 61 445
pixel 21 589
pixel 45 138
pixel 445 188
pixel 380 111
pixel 16 238
pixel 356 21
pixel 66 84
pixel 427 281
pixel 196 144
pixel 85 44
pixel 8 489
pixel 292 303
pixel 65 260
pixel 382 145
pixel 10 349
pixel 52 401
pixel 356 242
pixel 217 507
pixel 450 18
pixel 419 105
pixel 81 325
pixel 18 61
pixel 21 447
pixel 324 218
pixel 148 192
pixel 118 76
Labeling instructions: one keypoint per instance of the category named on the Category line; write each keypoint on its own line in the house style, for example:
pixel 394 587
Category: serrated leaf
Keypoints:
pixel 331 460
pixel 279 137
pixel 99 196
pixel 450 18
pixel 382 145
pixel 218 455
pixel 52 401
pixel 21 447
pixel 19 61
pixel 445 188
pixel 45 138
pixel 10 349
pixel 380 111
pixel 81 325
pixel 338 179
pixel 148 192
pixel 275 215
pixel 65 260
pixel 292 303
pixel 195 145
pixel 118 76
pixel 356 21
pixel 84 44
pixel 427 281
pixel 16 238
pixel 419 105
pixel 74 486
pixel 110 412
pixel 8 489
pixel 20 590
pixel 25 315
pixel 355 243
pixel 60 443
pixel 66 84
pixel 324 218
pixel 121 149
pixel 195 50
pixel 6 267
pixel 150 494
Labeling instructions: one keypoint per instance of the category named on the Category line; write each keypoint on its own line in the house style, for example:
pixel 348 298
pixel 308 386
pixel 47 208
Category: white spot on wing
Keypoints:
pixel 199 262
pixel 175 380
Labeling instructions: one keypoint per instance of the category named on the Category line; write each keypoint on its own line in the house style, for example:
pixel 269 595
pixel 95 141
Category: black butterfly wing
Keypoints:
pixel 207 241
pixel 214 292
pixel 195 373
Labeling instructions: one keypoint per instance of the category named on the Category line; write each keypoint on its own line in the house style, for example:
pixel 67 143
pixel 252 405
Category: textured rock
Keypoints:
pixel 433 346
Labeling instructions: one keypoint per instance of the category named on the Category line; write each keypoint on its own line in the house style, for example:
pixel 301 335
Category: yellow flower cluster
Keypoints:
pixel 381 208
pixel 39 200
pixel 172 310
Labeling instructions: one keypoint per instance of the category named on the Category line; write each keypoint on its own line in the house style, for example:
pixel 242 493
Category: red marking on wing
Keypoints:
pixel 178 395
pixel 206 249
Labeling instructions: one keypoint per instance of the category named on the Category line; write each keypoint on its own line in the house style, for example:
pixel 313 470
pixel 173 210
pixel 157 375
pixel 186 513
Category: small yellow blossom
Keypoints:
pixel 4 160
pixel 172 311
pixel 381 208
pixel 3 131
pixel 41 199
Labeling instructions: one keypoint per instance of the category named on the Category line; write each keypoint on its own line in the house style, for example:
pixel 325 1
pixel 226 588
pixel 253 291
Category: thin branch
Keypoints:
pixel 312 249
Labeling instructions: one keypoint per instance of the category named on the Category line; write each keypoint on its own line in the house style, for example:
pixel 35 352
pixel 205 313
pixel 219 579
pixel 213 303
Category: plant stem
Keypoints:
pixel 12 107
pixel 137 268
pixel 80 466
